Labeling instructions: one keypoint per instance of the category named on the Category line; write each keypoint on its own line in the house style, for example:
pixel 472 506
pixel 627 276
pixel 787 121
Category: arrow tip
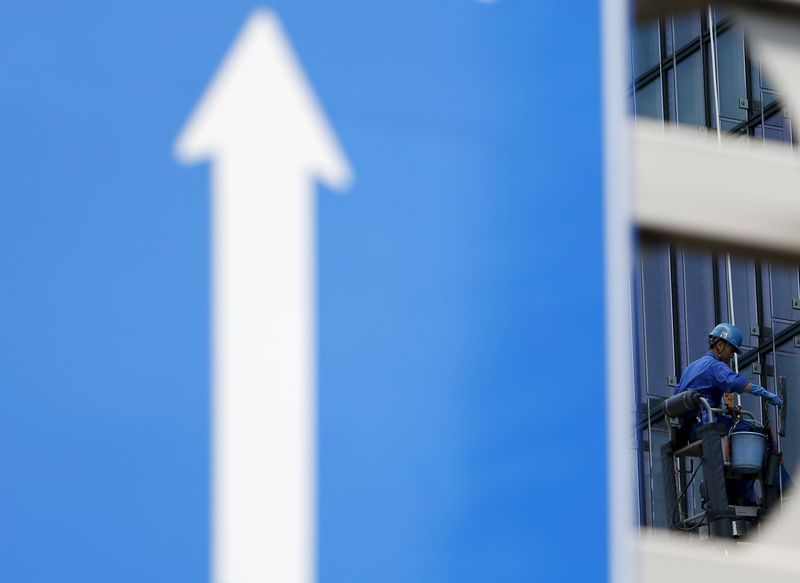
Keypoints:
pixel 260 102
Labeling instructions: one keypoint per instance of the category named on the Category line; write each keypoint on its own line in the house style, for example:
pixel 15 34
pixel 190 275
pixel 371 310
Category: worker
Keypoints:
pixel 711 376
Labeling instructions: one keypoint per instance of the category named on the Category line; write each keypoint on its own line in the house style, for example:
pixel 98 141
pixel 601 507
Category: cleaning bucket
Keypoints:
pixel 747 451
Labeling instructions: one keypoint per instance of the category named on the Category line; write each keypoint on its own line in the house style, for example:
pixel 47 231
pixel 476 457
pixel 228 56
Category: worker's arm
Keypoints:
pixel 759 391
pixel 732 382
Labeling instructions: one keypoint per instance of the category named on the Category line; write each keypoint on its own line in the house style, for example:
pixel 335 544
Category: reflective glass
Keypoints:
pixel 745 311
pixel 656 307
pixel 778 127
pixel 783 279
pixel 657 439
pixel 787 366
pixel 775 120
pixel 647 490
pixel 727 125
pixel 646 53
pixel 671 114
pixel 731 73
pixel 696 296
pixel 755 81
pixel 768 98
pixel 691 99
pixel 686 28
pixel 750 402
pixel 766 81
pixel 648 100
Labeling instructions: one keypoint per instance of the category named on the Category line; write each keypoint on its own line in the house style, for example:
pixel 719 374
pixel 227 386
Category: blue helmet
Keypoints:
pixel 729 333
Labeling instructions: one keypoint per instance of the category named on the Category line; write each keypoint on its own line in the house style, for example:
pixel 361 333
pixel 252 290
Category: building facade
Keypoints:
pixel 696 70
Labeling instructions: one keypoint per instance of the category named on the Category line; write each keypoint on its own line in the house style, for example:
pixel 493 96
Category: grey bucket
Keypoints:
pixel 747 451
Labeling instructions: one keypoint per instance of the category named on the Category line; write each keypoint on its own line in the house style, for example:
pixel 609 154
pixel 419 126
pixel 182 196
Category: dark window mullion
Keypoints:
pixel 686 51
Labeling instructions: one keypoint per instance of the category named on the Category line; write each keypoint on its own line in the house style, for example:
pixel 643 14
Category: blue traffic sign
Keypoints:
pixel 302 291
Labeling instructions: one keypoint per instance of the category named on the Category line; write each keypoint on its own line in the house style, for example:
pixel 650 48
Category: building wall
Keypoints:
pixel 680 292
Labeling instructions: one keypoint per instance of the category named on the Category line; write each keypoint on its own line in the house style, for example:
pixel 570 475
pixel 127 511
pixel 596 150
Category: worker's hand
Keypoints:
pixel 774 399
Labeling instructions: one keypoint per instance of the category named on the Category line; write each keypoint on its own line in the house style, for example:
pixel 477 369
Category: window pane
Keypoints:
pixel 755 81
pixel 646 54
pixel 691 106
pixel 786 362
pixel 657 439
pixel 648 100
pixel 656 307
pixel 745 313
pixel 783 278
pixel 773 134
pixel 768 98
pixel 687 28
pixel 671 113
pixel 775 120
pixel 696 296
pixel 646 486
pixel 766 81
pixel 730 58
pixel 721 14
pixel 727 125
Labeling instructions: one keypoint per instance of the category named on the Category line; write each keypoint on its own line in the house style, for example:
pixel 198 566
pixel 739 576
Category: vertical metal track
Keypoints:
pixel 712 41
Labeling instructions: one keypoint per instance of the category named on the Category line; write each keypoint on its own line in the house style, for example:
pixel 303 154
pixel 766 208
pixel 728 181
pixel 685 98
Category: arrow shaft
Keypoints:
pixel 264 355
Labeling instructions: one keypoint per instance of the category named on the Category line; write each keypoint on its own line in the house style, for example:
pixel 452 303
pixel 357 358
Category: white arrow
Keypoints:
pixel 261 126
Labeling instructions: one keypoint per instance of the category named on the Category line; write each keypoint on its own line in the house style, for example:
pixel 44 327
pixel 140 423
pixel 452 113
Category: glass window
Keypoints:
pixel 691 98
pixel 647 490
pixel 731 73
pixel 745 312
pixel 686 28
pixel 646 53
pixel 787 366
pixel 671 113
pixel 656 307
pixel 755 82
pixel 766 82
pixel 783 278
pixel 775 120
pixel 768 98
pixel 727 125
pixel 648 100
pixel 696 293
pixel 657 439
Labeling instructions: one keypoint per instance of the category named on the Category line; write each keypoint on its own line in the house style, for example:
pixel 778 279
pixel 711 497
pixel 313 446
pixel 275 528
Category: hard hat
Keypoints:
pixel 729 333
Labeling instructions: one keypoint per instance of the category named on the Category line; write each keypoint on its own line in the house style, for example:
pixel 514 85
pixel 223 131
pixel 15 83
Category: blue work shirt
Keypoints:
pixel 711 378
